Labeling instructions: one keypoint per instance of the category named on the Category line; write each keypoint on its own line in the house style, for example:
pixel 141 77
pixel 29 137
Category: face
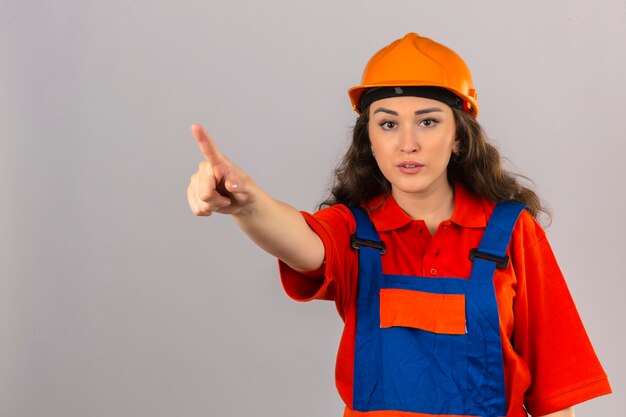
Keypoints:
pixel 412 139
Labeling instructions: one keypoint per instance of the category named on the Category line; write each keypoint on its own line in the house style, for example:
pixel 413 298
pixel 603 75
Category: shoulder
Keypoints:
pixel 528 232
pixel 336 214
pixel 330 223
pixel 378 209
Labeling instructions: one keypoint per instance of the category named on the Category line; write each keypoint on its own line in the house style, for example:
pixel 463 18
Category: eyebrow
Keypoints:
pixel 417 113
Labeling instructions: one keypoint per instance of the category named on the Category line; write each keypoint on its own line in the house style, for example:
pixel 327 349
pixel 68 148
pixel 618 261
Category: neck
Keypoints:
pixel 431 206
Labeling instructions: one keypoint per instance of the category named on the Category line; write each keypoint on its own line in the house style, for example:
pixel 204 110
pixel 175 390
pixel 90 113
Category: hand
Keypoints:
pixel 219 185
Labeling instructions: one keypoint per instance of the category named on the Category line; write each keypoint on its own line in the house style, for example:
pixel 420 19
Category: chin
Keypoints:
pixel 413 189
pixel 419 186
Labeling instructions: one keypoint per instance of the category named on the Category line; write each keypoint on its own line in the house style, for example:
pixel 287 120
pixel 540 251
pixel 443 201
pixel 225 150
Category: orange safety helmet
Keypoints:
pixel 417 61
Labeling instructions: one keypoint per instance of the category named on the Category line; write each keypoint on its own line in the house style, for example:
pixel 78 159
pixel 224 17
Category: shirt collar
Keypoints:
pixel 469 211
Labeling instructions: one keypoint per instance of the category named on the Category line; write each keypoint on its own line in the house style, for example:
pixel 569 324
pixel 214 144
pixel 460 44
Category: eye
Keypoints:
pixel 428 122
pixel 388 125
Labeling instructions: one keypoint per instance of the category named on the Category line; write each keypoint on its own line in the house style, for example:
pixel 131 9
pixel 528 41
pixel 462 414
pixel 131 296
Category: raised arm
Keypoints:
pixel 220 186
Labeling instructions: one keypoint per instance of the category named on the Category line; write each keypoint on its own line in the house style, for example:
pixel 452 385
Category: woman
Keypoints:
pixel 452 300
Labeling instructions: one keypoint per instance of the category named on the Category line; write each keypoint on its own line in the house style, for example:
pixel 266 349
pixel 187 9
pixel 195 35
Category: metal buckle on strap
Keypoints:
pixel 501 261
pixel 355 242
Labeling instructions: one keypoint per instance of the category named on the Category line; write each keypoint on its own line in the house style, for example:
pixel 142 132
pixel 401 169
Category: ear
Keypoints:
pixel 456 146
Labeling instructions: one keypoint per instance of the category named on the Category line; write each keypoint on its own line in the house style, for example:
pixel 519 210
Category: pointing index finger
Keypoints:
pixel 206 144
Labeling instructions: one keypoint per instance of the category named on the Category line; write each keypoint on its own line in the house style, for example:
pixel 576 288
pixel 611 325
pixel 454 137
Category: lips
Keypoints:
pixel 409 164
pixel 410 167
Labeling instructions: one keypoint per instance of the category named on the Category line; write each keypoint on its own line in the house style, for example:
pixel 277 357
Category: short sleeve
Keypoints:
pixel 548 332
pixel 334 225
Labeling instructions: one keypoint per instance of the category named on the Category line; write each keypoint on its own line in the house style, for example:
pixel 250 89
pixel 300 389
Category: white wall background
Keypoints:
pixel 116 301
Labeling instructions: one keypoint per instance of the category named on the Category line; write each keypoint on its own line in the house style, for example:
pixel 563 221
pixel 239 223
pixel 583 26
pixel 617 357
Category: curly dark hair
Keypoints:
pixel 478 166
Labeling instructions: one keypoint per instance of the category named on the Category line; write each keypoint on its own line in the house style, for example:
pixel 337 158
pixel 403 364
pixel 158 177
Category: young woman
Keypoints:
pixel 452 300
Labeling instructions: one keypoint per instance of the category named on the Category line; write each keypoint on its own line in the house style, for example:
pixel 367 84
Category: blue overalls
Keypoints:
pixel 442 370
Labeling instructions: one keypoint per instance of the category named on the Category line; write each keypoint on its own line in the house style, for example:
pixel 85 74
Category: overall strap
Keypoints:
pixel 492 249
pixel 367 242
pixel 366 234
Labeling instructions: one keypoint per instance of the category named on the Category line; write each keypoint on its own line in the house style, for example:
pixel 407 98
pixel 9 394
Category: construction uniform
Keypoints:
pixel 492 341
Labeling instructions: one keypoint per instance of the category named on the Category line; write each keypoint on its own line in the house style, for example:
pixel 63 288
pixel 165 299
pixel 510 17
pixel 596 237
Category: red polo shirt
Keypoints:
pixel 549 362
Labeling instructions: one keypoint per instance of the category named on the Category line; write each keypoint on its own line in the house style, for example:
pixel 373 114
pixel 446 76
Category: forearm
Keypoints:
pixel 280 230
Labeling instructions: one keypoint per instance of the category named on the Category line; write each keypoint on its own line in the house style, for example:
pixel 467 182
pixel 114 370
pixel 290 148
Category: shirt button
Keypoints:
pixel 419 229
pixel 433 271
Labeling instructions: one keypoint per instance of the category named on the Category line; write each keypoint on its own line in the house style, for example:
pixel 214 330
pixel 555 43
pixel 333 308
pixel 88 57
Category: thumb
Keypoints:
pixel 235 183
pixel 240 187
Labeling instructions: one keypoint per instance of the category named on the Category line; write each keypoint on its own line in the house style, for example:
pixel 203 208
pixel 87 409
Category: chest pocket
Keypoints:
pixel 435 313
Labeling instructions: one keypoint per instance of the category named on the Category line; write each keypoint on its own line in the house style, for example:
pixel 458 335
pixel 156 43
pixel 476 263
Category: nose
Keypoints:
pixel 408 140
